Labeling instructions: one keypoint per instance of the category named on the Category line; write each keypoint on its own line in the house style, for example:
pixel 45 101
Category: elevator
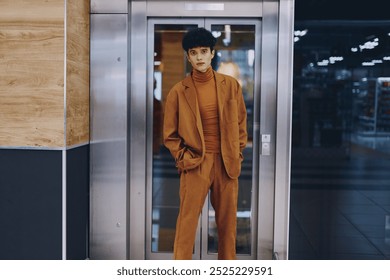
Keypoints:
pixel 136 57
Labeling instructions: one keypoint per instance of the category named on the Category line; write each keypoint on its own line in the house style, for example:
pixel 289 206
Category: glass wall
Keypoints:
pixel 340 179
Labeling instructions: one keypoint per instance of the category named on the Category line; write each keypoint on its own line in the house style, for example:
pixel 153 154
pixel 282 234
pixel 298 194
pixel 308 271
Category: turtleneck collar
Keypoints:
pixel 203 77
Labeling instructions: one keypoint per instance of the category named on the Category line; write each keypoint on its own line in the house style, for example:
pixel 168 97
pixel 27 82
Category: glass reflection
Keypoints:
pixel 169 68
pixel 235 56
pixel 340 184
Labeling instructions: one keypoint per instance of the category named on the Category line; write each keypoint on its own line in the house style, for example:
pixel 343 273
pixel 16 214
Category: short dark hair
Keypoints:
pixel 198 37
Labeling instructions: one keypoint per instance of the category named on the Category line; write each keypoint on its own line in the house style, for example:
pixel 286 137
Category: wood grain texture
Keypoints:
pixel 34 55
pixel 77 72
pixel 32 73
pixel 27 11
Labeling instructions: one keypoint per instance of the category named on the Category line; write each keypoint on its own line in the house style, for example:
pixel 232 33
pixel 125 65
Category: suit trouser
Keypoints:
pixel 194 186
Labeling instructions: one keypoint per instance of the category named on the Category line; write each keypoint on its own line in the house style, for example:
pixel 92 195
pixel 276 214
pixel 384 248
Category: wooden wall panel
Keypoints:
pixel 32 11
pixel 32 73
pixel 77 72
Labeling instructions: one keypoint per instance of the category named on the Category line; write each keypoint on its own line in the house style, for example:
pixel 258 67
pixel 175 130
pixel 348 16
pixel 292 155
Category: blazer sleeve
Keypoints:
pixel 171 137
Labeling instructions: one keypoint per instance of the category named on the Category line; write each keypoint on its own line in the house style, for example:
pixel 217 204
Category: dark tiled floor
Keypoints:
pixel 340 207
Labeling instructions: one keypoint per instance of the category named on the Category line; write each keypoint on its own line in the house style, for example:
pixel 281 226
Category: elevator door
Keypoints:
pixel 238 55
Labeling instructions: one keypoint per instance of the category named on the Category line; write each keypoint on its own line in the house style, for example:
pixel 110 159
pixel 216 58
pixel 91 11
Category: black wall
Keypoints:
pixel 31 204
pixel 77 203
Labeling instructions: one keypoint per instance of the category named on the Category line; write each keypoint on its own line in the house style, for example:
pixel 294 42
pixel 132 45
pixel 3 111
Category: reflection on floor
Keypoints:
pixel 340 208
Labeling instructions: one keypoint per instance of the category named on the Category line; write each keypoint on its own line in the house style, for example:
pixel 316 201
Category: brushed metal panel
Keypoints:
pixel 108 134
pixel 283 128
pixel 137 135
pixel 268 109
pixel 109 7
pixel 210 8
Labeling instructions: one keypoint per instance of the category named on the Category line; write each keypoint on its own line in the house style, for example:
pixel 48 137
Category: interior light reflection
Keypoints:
pixel 251 57
pixel 228 35
pixel 331 60
pixel 324 62
pixel 369 45
pixel 216 34
pixel 300 33
pixel 372 62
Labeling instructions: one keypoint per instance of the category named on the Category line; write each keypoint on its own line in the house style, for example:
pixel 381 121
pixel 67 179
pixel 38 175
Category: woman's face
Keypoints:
pixel 200 58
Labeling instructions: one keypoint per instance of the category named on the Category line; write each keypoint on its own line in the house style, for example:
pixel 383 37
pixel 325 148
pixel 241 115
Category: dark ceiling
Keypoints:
pixel 335 27
pixel 342 10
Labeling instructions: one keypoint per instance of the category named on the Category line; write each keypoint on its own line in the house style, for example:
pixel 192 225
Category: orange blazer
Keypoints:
pixel 183 132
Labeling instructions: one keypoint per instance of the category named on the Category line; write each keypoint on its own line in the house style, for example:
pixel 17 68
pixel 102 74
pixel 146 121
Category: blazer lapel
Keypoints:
pixel 221 92
pixel 190 94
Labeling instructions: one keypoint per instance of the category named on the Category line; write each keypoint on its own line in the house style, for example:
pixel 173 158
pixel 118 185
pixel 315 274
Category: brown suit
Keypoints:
pixel 183 133
pixel 202 171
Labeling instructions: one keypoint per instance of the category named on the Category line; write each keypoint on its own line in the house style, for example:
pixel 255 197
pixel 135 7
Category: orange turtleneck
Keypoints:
pixel 208 107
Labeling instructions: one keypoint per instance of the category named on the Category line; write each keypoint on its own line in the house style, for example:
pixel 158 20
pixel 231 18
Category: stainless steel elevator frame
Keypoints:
pixel 118 95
